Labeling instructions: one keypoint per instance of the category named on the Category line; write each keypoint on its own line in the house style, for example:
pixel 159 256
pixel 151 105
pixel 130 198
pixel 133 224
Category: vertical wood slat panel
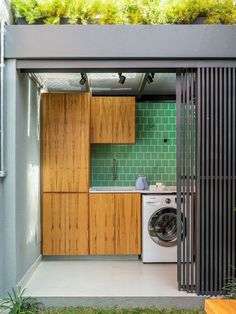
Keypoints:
pixel 215 179
pixel 233 164
pixel 211 174
pixel 178 164
pixel 186 176
pixel 198 182
pixel 206 166
pixel 202 191
pixel 229 168
pixel 220 177
pixel 216 189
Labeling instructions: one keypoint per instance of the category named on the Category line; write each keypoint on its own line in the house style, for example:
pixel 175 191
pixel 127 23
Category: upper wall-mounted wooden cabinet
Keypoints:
pixel 113 120
pixel 65 142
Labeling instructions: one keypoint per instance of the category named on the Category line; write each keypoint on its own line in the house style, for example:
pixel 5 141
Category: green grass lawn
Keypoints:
pixel 118 311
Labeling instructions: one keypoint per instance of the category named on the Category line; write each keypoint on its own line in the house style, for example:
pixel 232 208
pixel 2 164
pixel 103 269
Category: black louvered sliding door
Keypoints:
pixel 206 163
pixel 186 177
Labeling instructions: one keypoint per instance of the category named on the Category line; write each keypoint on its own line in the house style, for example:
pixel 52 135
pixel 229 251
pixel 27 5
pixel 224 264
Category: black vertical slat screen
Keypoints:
pixel 206 178
pixel 186 177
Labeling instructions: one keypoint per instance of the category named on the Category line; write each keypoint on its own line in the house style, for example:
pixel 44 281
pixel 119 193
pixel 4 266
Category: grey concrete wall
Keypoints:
pixel 131 41
pixel 27 175
pixel 19 191
pixel 7 185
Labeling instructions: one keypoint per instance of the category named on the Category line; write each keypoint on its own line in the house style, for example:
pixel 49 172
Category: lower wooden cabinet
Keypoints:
pixel 109 225
pixel 128 224
pixel 65 224
pixel 102 224
pixel 115 224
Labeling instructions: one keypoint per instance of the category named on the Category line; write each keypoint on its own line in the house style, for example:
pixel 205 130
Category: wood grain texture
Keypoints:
pixel 53 224
pixel 220 306
pixel 102 119
pixel 102 224
pixel 65 142
pixel 128 224
pixel 76 225
pixel 53 142
pixel 124 120
pixel 113 120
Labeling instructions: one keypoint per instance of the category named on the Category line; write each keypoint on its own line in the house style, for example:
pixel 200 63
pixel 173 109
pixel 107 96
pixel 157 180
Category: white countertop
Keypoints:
pixel 129 189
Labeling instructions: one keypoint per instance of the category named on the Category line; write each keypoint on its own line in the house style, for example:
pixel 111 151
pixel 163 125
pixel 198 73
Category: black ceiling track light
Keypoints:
pixel 122 78
pixel 83 79
pixel 150 78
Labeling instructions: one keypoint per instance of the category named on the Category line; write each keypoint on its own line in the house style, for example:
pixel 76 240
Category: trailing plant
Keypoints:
pixel 151 11
pixel 112 12
pixel 17 303
pixel 27 9
pixel 180 12
pixel 52 10
pixel 221 12
pixel 77 11
pixel 126 11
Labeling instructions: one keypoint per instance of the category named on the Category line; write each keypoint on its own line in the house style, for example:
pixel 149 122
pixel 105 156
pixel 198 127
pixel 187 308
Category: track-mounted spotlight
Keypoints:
pixel 122 78
pixel 83 79
pixel 150 78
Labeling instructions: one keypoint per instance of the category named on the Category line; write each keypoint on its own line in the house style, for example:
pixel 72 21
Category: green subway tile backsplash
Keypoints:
pixel 150 155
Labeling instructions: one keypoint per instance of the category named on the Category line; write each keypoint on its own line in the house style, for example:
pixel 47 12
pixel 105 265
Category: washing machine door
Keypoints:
pixel 162 226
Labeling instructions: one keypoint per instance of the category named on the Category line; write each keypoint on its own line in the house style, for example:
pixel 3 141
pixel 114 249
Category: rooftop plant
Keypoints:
pixel 126 11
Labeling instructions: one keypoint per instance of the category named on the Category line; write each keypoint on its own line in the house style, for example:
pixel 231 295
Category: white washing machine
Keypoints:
pixel 159 228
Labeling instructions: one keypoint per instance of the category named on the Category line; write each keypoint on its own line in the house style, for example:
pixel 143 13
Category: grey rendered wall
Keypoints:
pixel 7 185
pixel 27 175
pixel 19 191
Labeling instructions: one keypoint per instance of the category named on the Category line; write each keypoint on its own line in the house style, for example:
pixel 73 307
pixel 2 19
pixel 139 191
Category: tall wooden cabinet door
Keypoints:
pixel 65 142
pixel 54 159
pixel 102 111
pixel 102 224
pixel 53 224
pixel 77 224
pixel 124 120
pixel 77 147
pixel 128 224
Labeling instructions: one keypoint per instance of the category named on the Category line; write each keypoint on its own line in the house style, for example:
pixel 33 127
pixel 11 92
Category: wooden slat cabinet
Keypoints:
pixel 115 224
pixel 102 224
pixel 113 120
pixel 65 142
pixel 128 224
pixel 65 224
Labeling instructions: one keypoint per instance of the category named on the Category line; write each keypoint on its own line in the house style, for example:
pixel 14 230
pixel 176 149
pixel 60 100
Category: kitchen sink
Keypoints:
pixel 112 189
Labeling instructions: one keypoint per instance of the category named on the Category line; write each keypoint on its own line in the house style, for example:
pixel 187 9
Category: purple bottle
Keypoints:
pixel 141 183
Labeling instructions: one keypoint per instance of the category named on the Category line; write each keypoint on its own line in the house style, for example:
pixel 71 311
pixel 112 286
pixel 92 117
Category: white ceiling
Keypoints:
pixel 108 83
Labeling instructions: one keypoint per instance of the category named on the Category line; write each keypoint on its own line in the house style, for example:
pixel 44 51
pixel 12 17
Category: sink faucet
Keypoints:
pixel 114 168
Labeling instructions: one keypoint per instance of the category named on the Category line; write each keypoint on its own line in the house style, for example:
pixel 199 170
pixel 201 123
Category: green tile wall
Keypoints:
pixel 150 156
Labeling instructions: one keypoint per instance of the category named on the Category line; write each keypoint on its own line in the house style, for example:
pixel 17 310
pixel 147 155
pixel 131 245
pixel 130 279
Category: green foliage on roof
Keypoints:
pixel 125 11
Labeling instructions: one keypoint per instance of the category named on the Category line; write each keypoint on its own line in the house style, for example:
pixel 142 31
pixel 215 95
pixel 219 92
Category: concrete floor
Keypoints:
pixel 88 278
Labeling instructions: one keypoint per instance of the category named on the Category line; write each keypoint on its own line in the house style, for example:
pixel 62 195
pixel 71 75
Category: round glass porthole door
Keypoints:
pixel 162 226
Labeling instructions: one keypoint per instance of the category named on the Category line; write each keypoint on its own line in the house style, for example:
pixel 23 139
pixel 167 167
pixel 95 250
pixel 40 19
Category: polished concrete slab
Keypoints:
pixel 108 283
pixel 92 278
